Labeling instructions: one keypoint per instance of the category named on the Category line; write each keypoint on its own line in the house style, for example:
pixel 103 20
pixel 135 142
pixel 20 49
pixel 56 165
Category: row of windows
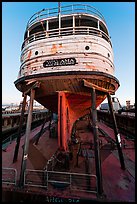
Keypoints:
pixel 65 22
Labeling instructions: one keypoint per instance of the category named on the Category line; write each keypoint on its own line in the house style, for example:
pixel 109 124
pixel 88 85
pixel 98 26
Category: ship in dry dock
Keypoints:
pixel 67 66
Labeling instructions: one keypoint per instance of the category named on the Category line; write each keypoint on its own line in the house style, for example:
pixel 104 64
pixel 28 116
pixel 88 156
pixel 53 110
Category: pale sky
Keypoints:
pixel 120 18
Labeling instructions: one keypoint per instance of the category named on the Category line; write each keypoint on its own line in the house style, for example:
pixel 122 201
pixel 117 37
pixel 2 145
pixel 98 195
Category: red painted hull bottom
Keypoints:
pixel 70 107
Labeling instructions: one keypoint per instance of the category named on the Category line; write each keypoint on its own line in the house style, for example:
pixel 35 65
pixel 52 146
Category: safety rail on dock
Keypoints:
pixel 42 179
pixel 73 181
pixel 9 176
pixel 8 141
pixel 125 123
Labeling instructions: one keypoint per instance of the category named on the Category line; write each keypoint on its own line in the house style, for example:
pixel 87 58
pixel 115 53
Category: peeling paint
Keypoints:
pixel 29 54
pixel 60 45
pixel 54 49
pixel 88 66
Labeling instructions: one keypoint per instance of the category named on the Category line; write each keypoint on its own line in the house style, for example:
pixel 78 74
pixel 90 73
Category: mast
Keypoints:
pixel 59 13
pixel 59 8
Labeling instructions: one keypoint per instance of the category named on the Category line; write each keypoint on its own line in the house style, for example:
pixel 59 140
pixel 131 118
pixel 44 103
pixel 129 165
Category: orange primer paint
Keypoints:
pixel 70 108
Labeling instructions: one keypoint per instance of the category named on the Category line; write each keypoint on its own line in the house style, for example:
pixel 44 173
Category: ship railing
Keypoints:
pixel 82 30
pixel 8 141
pixel 69 9
pixel 72 181
pixel 9 176
pixel 35 178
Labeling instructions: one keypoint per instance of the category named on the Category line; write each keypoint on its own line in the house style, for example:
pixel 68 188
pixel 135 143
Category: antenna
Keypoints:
pixel 59 7
pixel 59 17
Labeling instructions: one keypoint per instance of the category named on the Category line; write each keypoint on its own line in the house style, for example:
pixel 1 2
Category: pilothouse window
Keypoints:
pixel 65 22
pixel 54 24
pixel 83 21
pixel 103 28
pixel 38 28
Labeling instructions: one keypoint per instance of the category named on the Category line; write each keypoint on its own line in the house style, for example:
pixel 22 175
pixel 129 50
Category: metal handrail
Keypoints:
pixel 8 140
pixel 9 171
pixel 47 178
pixel 83 30
pixel 69 9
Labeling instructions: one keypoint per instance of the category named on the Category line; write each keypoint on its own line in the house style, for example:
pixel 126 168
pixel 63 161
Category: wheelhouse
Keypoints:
pixel 76 19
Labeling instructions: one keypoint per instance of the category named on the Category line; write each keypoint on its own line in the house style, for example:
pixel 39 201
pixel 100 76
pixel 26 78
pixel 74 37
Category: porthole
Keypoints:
pixel 36 53
pixel 108 55
pixel 87 48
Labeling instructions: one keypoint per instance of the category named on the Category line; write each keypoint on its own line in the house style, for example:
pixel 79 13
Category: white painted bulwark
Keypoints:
pixel 91 54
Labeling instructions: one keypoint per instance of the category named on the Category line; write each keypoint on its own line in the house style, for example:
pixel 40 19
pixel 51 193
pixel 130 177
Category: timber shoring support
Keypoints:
pixel 96 142
pixel 19 130
pixel 60 124
pixel 26 145
pixel 121 158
